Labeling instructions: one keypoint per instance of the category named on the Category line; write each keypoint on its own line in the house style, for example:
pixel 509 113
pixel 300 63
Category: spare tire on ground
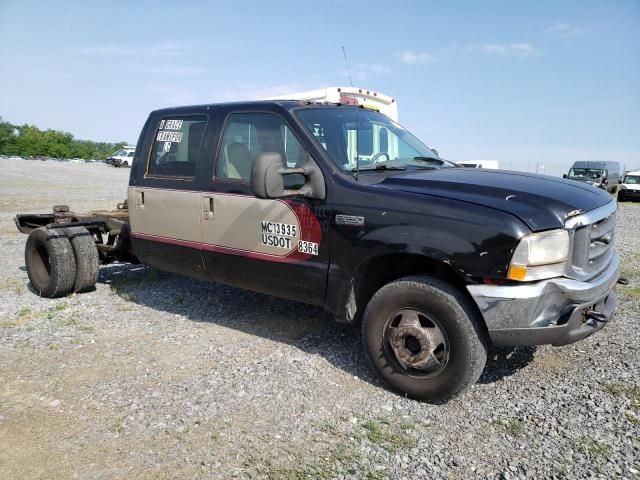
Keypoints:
pixel 87 258
pixel 51 263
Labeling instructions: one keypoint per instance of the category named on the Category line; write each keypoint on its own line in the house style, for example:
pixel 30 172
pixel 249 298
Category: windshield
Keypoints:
pixel 632 179
pixel 375 141
pixel 585 172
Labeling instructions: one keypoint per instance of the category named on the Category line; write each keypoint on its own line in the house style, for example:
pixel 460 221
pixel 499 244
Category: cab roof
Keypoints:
pixel 261 104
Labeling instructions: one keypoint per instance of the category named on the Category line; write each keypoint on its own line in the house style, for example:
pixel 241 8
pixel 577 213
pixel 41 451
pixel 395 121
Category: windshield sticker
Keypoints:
pixel 171 125
pixel 166 136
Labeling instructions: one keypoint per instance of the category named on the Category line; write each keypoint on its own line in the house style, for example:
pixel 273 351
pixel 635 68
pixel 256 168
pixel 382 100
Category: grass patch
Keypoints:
pixel 118 425
pixel 381 433
pixel 86 329
pixel 23 315
pixel 9 323
pixel 593 447
pixel 632 418
pixel 512 426
pixel 25 311
pixel 333 465
pixel 69 322
pixel 127 296
pixel 12 284
pixel 615 389
pixel 377 474
pixel 632 292
pixel 619 389
pixel 407 425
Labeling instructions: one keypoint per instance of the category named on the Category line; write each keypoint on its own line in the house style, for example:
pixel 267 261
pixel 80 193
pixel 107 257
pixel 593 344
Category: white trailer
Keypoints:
pixel 348 95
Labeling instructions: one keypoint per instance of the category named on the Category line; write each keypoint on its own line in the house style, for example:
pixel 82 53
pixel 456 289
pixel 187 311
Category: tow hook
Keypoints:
pixel 597 316
pixel 623 281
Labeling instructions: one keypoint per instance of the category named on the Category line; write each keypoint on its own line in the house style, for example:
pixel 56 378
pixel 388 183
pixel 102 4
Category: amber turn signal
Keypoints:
pixel 517 272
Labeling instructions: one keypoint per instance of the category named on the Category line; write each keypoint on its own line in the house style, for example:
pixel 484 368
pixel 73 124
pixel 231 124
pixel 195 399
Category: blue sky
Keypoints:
pixel 525 83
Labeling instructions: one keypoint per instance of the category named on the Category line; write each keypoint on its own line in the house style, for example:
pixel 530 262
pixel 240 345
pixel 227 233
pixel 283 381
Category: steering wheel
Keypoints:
pixel 375 158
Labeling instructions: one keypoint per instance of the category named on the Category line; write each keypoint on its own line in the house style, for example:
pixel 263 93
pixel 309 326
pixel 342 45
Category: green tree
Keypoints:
pixel 29 140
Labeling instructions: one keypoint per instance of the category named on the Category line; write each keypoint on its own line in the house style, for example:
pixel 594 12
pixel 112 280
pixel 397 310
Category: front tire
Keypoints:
pixel 424 338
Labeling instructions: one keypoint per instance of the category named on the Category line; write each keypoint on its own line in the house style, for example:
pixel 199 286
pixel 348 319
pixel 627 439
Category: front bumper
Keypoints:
pixel 557 311
pixel 628 193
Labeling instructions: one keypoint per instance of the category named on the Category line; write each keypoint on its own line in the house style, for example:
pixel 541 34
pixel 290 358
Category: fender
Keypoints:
pixel 477 246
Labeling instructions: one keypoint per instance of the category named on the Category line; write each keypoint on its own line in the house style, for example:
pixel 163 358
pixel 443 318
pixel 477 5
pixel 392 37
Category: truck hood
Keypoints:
pixel 540 201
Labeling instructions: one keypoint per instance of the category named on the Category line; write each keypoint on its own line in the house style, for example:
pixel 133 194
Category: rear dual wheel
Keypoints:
pixel 61 261
pixel 424 338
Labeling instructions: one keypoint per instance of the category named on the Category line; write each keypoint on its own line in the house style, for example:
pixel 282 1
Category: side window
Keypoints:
pixel 176 146
pixel 248 135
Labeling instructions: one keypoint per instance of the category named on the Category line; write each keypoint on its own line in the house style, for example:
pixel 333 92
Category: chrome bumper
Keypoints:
pixel 556 311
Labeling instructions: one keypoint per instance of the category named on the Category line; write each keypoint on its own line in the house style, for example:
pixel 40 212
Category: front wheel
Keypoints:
pixel 424 338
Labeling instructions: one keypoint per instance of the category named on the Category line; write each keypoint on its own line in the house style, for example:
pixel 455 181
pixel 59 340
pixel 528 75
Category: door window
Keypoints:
pixel 248 135
pixel 176 146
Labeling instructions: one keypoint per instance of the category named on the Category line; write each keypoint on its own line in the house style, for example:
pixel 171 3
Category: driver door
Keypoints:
pixel 275 246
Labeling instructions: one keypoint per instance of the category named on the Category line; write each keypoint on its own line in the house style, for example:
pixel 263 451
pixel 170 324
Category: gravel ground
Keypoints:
pixel 158 376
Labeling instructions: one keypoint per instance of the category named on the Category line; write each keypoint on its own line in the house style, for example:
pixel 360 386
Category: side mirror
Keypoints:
pixel 619 180
pixel 564 175
pixel 267 178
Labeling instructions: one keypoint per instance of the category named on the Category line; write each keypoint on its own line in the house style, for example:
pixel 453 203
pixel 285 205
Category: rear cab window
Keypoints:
pixel 176 146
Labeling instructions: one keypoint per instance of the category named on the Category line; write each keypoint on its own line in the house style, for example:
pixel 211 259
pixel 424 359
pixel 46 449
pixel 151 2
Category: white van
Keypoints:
pixel 122 157
pixel 629 188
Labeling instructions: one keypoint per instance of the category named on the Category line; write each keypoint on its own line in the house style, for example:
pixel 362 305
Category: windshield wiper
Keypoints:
pixel 381 166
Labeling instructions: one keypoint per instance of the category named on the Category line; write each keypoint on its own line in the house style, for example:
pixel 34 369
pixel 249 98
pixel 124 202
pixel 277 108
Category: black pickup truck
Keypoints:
pixel 339 206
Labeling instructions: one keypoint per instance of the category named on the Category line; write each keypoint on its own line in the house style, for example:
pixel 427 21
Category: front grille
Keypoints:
pixel 592 247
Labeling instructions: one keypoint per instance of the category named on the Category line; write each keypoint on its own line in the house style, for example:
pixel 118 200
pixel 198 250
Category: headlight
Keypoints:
pixel 622 187
pixel 540 255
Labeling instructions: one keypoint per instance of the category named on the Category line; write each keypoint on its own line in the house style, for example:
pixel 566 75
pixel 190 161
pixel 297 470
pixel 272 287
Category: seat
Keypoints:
pixel 239 161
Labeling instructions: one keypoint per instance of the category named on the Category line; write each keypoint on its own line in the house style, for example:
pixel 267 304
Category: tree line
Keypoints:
pixel 29 141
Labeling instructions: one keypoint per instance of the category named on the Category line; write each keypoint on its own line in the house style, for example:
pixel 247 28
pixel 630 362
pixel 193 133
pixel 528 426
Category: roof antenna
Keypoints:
pixel 347 64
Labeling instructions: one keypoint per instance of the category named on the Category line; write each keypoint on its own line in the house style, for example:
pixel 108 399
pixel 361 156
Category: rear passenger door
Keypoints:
pixel 274 246
pixel 165 195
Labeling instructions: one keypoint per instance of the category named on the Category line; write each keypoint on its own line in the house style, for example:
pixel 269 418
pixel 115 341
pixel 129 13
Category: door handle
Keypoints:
pixel 207 208
pixel 139 199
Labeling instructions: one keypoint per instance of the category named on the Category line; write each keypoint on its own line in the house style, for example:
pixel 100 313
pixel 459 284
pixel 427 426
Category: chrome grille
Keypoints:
pixel 592 244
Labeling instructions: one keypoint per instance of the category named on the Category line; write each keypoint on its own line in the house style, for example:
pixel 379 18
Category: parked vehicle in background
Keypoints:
pixel 629 188
pixel 480 164
pixel 604 175
pixel 122 158
pixel 434 261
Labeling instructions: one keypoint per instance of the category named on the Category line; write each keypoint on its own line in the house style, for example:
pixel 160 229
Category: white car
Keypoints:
pixel 122 158
pixel 629 188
